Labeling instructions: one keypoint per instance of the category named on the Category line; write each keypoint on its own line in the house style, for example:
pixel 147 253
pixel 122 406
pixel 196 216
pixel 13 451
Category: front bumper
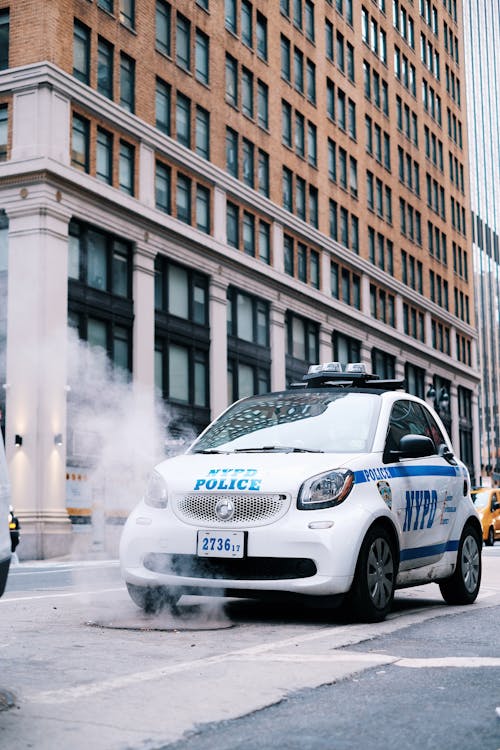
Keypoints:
pixel 157 549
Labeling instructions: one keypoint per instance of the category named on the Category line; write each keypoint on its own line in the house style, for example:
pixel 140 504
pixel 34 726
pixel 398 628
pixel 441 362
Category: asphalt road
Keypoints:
pixel 82 667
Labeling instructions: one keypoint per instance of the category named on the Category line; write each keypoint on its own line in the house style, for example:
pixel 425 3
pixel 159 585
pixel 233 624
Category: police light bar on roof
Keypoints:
pixel 332 374
pixel 330 368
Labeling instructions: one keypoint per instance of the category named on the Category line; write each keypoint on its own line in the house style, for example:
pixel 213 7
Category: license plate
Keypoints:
pixel 221 544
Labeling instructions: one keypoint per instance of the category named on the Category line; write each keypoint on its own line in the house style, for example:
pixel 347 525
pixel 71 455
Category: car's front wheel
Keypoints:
pixel 490 539
pixel 153 599
pixel 463 586
pixel 374 582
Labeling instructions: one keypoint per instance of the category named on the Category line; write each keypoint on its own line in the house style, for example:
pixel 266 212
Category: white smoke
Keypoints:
pixel 117 433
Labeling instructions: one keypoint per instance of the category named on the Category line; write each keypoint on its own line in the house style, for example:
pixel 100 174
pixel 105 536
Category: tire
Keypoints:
pixel 490 539
pixel 153 599
pixel 372 591
pixel 463 586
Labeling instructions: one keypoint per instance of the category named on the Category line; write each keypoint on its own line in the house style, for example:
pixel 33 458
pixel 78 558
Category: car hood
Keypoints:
pixel 251 472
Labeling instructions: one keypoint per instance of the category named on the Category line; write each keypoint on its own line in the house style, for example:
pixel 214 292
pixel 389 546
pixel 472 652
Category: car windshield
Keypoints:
pixel 313 420
pixel 481 498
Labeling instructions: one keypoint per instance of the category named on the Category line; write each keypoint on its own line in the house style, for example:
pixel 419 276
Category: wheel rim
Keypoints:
pixel 470 563
pixel 380 571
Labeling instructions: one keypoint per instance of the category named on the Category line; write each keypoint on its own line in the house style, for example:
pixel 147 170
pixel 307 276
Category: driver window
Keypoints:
pixel 407 418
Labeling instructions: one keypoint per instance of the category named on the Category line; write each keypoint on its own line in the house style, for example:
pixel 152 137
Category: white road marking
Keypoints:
pixel 463 662
pixel 12 598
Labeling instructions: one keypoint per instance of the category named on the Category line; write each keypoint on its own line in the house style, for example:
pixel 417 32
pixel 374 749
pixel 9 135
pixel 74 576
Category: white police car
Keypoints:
pixel 343 488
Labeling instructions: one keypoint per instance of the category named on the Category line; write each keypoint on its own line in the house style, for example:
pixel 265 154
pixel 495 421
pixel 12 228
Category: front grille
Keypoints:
pixel 249 509
pixel 244 569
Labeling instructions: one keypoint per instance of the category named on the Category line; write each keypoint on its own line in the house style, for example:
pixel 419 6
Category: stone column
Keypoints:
pixel 278 347
pixel 36 386
pixel 476 444
pixel 455 417
pixel 218 345
pixel 144 316
pixel 325 344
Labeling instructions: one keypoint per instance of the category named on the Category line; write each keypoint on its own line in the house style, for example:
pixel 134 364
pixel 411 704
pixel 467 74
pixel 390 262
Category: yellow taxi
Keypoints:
pixel 487 502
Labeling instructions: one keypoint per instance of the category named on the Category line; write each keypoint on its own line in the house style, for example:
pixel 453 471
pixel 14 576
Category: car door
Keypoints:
pixel 425 490
pixel 495 512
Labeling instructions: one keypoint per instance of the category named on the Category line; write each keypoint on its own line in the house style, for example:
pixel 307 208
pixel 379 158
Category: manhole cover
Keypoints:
pixel 165 622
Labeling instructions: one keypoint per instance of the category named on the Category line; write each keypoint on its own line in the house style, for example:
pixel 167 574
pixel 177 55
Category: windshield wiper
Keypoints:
pixel 277 449
pixel 211 450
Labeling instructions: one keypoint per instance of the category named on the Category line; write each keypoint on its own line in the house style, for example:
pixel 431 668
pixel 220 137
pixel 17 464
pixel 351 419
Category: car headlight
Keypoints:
pixel 156 494
pixel 325 490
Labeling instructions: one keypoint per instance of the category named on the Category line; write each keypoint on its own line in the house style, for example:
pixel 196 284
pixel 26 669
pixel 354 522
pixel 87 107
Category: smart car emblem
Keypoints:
pixel 224 509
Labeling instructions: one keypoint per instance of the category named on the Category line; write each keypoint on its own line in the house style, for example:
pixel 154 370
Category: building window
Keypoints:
pixel 248 233
pixel 4 132
pixel 246 23
pixel 105 68
pixel 183 120
pixel 248 163
pixel 183 199
pixel 163 106
pixel 247 92
pixel 302 346
pixel 286 123
pixel 203 209
pixel 202 132
pixel 264 242
pixel 383 364
pixel 345 348
pixel 262 105
pixel 126 168
pixel 104 156
pixel 182 342
pixel 81 52
pixel 99 260
pixel 163 27
pixel 232 225
pixel 183 42
pixel 285 59
pixel 106 5
pixel 163 187
pixel 261 31
pixel 127 13
pixel 287 191
pixel 230 15
pixel 263 173
pixel 4 39
pixel 231 81
pixel 80 143
pixel 248 318
pixel 232 152
pixel 202 57
pixel 127 82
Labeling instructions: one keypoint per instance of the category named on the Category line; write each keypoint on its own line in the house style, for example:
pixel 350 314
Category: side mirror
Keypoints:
pixel 414 446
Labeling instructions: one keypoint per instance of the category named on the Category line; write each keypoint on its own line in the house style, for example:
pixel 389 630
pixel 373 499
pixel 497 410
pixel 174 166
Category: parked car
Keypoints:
pixel 487 502
pixel 5 541
pixel 344 488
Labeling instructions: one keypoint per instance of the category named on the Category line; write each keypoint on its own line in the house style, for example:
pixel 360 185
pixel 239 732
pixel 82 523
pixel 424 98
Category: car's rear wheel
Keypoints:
pixel 490 539
pixel 463 586
pixel 153 599
pixel 374 582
